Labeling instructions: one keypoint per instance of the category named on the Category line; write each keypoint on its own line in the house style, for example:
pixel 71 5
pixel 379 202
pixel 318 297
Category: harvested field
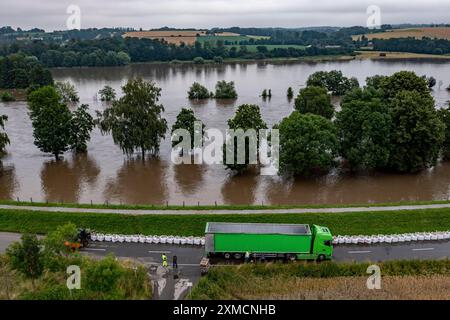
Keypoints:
pixel 175 37
pixel 377 55
pixel 346 288
pixel 418 33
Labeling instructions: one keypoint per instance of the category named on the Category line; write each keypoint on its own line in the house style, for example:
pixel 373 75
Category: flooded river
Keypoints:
pixel 105 174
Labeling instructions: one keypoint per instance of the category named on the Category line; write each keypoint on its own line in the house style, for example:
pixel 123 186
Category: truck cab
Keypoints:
pixel 322 246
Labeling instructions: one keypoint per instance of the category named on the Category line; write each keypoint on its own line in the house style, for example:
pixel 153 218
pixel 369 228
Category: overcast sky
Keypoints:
pixel 51 14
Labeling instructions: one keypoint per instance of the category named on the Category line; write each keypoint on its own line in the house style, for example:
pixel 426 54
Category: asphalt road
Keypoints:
pixel 175 284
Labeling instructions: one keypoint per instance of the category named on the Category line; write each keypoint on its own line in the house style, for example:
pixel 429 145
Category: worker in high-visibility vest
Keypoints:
pixel 247 257
pixel 164 260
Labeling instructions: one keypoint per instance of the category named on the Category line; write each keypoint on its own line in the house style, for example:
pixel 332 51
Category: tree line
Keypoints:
pixel 390 124
pixel 117 51
pixel 18 71
pixel 424 45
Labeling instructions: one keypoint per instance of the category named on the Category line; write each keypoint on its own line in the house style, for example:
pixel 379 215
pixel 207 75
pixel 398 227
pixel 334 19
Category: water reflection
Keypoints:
pixel 240 188
pixel 64 180
pixel 189 178
pixel 8 181
pixel 139 182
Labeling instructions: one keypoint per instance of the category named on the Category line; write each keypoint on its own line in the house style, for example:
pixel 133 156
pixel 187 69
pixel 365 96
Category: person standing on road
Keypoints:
pixel 164 260
pixel 175 262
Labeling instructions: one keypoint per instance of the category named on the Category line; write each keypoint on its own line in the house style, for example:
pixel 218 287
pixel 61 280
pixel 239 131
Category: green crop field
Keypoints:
pixel 213 39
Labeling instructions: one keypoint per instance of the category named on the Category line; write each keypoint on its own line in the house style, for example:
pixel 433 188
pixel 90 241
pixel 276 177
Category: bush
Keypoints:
pixel 199 60
pixel 7 97
pixel 197 91
pixel 225 90
pixel 218 59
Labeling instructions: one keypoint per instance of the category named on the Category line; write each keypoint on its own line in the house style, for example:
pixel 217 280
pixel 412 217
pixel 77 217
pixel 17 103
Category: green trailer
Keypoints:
pixel 261 240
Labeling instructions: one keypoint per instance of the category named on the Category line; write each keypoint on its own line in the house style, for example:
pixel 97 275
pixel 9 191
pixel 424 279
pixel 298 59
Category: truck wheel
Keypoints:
pixel 290 257
pixel 238 256
pixel 227 255
pixel 321 258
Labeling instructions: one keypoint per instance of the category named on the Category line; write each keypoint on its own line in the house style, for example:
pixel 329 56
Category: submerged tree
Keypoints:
pixel 247 121
pixel 197 91
pixel 81 125
pixel 444 115
pixel 364 127
pixel 333 81
pixel 417 132
pixel 315 100
pixel 308 143
pixel 186 120
pixel 290 93
pixel 4 139
pixel 225 90
pixel 107 94
pixel 67 91
pixel 135 120
pixel 51 120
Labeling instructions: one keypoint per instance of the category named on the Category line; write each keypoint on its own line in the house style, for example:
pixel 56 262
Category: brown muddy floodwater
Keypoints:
pixel 105 174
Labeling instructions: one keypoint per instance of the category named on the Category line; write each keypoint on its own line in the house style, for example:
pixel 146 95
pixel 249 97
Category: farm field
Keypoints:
pixel 418 33
pixel 213 39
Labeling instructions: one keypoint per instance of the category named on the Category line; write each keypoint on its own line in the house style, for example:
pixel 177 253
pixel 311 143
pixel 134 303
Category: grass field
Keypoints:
pixel 398 55
pixel 400 280
pixel 185 225
pixel 418 33
pixel 213 39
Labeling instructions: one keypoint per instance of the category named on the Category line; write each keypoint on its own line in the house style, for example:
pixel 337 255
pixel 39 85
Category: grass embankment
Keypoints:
pixel 184 225
pixel 210 207
pixel 400 280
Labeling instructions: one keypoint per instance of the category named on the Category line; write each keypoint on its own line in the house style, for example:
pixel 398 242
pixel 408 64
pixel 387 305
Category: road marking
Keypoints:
pixel 423 249
pixel 94 249
pixel 356 252
pixel 159 251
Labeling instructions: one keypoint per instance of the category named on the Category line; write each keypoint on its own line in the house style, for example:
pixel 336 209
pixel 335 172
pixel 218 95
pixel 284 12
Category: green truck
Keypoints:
pixel 261 240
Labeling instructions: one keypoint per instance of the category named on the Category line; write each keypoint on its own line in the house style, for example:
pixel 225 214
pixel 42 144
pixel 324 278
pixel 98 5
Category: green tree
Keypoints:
pixel 333 81
pixel 4 139
pixel 225 90
pixel 123 58
pixel 135 120
pixel 444 115
pixel 364 129
pixel 107 93
pixel 81 126
pixel 199 60
pixel 197 91
pixel 404 81
pixel 104 275
pixel 375 81
pixel 27 257
pixel 185 120
pixel 51 121
pixel 247 117
pixel 67 91
pixel 417 134
pixel 308 144
pixel 290 93
pixel 315 100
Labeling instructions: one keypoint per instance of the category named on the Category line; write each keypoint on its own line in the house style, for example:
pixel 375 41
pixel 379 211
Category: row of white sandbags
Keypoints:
pixel 394 238
pixel 197 241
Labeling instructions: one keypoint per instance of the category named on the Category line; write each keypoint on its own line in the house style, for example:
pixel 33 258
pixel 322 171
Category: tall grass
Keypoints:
pixel 237 282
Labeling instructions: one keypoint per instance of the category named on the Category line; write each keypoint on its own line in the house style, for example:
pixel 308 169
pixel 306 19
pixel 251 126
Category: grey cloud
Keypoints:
pixel 51 14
